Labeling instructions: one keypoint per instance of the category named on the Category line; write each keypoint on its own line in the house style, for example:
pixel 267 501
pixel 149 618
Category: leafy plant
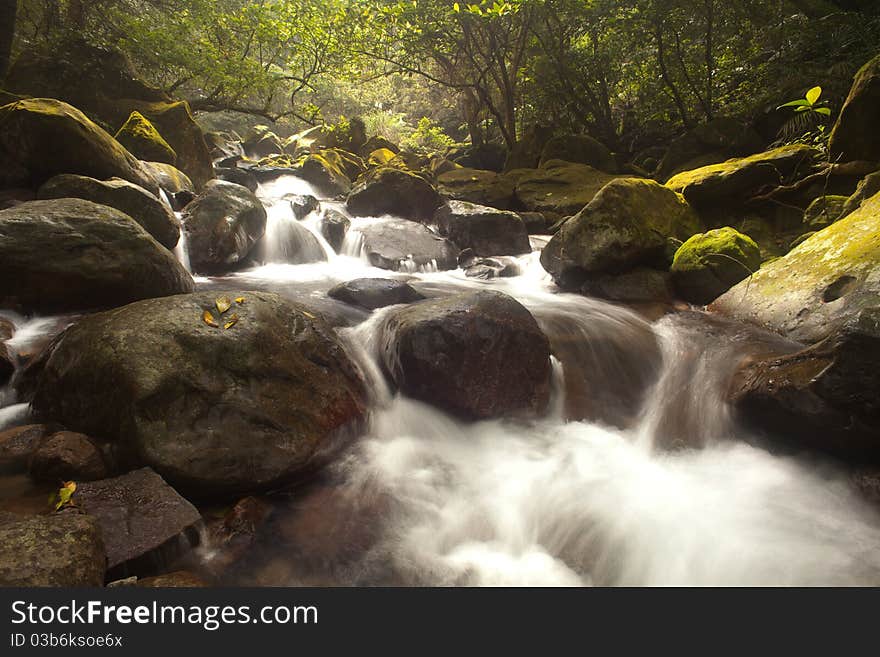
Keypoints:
pixel 427 136
pixel 63 498
pixel 808 123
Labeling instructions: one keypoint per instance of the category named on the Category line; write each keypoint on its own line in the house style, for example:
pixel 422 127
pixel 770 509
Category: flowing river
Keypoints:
pixel 638 474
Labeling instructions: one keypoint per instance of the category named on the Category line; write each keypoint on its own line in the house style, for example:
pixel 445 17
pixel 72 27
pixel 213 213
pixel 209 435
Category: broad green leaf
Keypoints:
pixel 813 95
pixel 823 110
pixel 802 102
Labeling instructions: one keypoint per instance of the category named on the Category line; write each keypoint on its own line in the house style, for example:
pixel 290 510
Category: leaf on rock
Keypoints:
pixel 63 497
pixel 307 314
pixel 233 320
pixel 223 304
pixel 208 318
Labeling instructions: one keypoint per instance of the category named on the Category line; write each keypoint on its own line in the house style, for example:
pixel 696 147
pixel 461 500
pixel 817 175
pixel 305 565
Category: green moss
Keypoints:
pixel 682 180
pixel 711 248
pixel 142 139
pixel 824 211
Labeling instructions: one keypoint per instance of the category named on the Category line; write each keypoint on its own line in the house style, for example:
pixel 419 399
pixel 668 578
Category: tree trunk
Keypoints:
pixel 8 10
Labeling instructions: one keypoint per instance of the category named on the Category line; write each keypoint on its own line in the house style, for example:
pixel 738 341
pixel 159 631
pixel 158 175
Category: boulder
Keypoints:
pixel 373 293
pixel 239 177
pixel 223 224
pixel 170 178
pixel 558 188
pixel 632 222
pixel 708 264
pixel 477 355
pixel 141 518
pixel 536 223
pixel 489 268
pixel 242 406
pixel 62 549
pixel 407 246
pixel 741 178
pixel 42 137
pixel 489 156
pixel 326 172
pixel 824 211
pixel 154 216
pixel 826 397
pixel 854 136
pixel 380 157
pixel 334 227
pixel 375 143
pixel 70 254
pixel 303 205
pixel 581 149
pixel 18 444
pixel 488 232
pixel 641 285
pixel 526 153
pixel 142 140
pixel 717 140
pixel 867 187
pixel 263 144
pixel 477 186
pixel 395 192
pixel 812 291
pixel 67 455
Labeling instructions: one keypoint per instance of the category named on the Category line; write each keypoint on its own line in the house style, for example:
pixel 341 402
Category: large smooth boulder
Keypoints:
pixel 738 179
pixel 486 231
pixel 812 291
pixel 143 141
pixel 154 216
pixel 558 189
pixel 170 178
pixel 71 254
pixel 223 224
pixel 854 136
pixel 373 293
pixel 334 227
pixel 826 397
pixel 63 549
pixel 18 444
pixel 42 137
pixel 67 455
pixel 246 402
pixel 407 246
pixel 395 192
pixel 477 355
pixel 630 223
pixel 581 149
pixel 326 171
pixel 142 520
pixel 710 263
pixel 478 186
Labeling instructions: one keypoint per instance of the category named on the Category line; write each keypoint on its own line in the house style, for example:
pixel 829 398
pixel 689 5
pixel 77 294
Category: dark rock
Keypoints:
pixel 372 293
pixel 223 223
pixel 478 186
pixel 170 178
pixel 854 136
pixel 68 254
pixel 216 411
pixel 375 143
pixel 239 177
pixel 558 188
pixel 303 205
pixel 489 157
pixel 7 364
pixel 233 537
pixel 526 153
pixel 19 443
pixel 263 144
pixel 489 268
pixel 144 522
pixel 477 355
pixel 581 149
pixel 394 192
pixel 824 211
pixel 330 171
pixel 63 549
pixel 67 456
pixel 867 187
pixel 536 223
pixel 488 232
pixel 11 197
pixel 407 246
pixel 640 285
pixel 142 140
pixel 716 141
pixel 154 216
pixel 334 227
pixel 178 579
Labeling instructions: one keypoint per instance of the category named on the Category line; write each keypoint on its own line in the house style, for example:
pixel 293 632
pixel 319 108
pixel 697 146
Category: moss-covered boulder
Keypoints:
pixel 630 222
pixel 169 177
pixel 715 141
pixel 222 225
pixel 478 186
pixel 62 549
pixel 396 192
pixel 143 141
pixel 855 136
pixel 558 189
pixel 708 264
pixel 581 149
pixel 70 254
pixel 487 156
pixel 331 171
pixel 154 216
pixel 741 178
pixel 263 144
pixel 867 187
pixel 244 401
pixel 486 231
pixel 813 290
pixel 42 137
pixel 380 157
pixel 376 143
pixel 824 211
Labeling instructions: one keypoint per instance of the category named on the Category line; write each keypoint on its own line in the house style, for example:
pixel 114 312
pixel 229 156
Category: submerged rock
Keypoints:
pixel 710 263
pixel 486 231
pixel 223 224
pixel 218 410
pixel 62 549
pixel 373 293
pixel 407 246
pixel 395 192
pixel 477 355
pixel 70 254
pixel 154 216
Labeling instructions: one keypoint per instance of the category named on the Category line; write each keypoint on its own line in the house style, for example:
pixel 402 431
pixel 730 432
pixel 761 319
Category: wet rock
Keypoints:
pixel 143 521
pixel 477 355
pixel 303 205
pixel 536 223
pixel 223 223
pixel 7 329
pixel 334 227
pixel 67 456
pixel 407 246
pixel 43 137
pixel 710 263
pixel 395 192
pixel 488 232
pixel 19 443
pixel 154 216
pixel 7 364
pixel 478 186
pixel 632 222
pixel 233 537
pixel 640 285
pixel 853 136
pixel 372 293
pixel 69 254
pixel 558 188
pixel 62 549
pixel 170 178
pixel 239 177
pixel 289 242
pixel 216 411
pixel 489 268
pixel 581 149
pixel 329 171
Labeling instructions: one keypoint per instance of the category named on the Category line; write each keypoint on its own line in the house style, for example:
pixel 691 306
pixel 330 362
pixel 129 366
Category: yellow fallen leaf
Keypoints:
pixel 233 320
pixel 64 495
pixel 239 300
pixel 223 304
pixel 309 315
pixel 208 318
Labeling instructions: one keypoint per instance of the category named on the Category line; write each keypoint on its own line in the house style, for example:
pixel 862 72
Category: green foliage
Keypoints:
pixel 808 123
pixel 427 137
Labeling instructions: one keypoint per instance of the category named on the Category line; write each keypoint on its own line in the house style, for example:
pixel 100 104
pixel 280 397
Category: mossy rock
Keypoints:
pixel 581 149
pixel 855 135
pixel 558 187
pixel 710 143
pixel 867 187
pixel 376 143
pixel 143 141
pixel 396 192
pixel 526 153
pixel 824 211
pixel 328 171
pixel 708 264
pixel 741 178
pixel 169 177
pixel 631 222
pixel 478 186
pixel 380 157
pixel 817 287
